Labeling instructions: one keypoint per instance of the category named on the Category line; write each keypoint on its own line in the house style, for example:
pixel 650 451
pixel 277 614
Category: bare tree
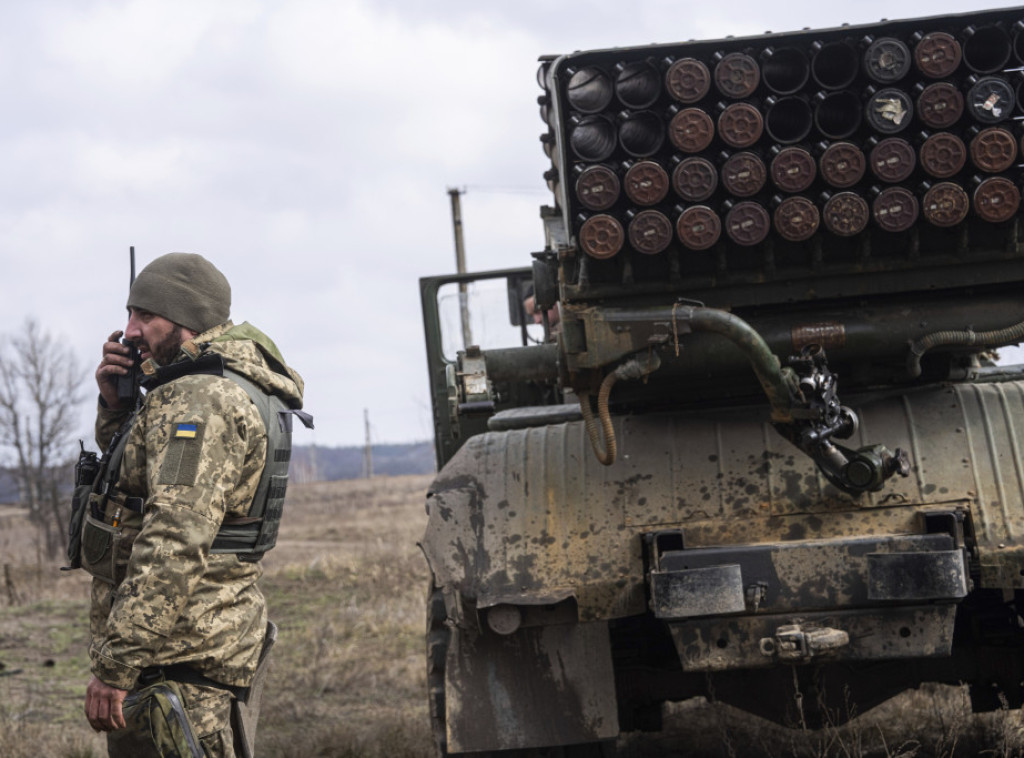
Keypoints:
pixel 40 390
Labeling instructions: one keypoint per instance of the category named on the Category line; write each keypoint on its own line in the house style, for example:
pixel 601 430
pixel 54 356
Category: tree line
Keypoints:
pixel 41 389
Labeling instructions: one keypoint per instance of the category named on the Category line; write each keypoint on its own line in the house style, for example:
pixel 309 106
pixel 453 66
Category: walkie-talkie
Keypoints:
pixel 128 384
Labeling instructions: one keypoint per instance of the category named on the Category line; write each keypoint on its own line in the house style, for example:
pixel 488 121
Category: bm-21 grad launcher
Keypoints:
pixel 762 450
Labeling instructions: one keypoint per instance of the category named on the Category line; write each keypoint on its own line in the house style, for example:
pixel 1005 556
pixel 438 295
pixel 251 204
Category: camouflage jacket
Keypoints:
pixel 194 454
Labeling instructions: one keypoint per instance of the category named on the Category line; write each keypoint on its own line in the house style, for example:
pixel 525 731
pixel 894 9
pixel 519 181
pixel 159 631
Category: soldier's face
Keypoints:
pixel 154 336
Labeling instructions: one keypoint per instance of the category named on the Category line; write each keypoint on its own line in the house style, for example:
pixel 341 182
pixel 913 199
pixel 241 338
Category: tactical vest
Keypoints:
pixel 258 534
pixel 106 548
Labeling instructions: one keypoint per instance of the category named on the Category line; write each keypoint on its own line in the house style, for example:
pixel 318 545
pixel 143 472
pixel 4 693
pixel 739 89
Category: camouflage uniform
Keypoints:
pixel 171 600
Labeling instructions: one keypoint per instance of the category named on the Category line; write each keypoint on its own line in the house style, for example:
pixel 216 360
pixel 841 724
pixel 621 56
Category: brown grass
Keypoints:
pixel 347 586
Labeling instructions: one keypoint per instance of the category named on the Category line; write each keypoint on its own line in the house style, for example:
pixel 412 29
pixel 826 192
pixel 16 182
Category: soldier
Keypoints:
pixel 534 312
pixel 177 620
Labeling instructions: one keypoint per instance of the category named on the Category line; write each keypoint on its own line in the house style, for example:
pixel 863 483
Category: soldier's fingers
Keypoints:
pixel 117 715
pixel 102 710
pixel 92 712
pixel 115 348
pixel 116 359
pixel 109 372
pixel 101 704
pixel 110 369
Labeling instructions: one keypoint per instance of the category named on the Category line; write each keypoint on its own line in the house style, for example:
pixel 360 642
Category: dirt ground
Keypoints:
pixel 346 586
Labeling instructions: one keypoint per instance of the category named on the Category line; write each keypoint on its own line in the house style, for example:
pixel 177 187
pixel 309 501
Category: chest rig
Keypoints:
pixel 105 521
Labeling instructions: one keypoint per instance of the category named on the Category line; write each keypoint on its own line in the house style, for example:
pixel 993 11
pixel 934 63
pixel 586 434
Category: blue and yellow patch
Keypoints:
pixel 185 431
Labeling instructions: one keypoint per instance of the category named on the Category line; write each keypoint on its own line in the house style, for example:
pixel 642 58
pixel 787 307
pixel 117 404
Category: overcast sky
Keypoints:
pixel 306 148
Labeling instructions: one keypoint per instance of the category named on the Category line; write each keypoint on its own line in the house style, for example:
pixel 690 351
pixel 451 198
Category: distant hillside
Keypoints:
pixel 311 463
pixel 325 464
pixel 8 487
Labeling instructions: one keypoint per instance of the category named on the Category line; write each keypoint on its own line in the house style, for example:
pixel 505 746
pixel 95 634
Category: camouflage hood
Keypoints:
pixel 246 351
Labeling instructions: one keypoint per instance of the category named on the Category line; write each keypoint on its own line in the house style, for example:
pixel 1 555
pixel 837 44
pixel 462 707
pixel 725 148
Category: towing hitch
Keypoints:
pixel 793 644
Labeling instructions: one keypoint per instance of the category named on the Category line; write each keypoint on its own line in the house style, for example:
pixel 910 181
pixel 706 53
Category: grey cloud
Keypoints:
pixel 305 147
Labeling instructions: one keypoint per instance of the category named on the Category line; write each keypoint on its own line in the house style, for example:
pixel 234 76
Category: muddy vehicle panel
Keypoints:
pixel 758 444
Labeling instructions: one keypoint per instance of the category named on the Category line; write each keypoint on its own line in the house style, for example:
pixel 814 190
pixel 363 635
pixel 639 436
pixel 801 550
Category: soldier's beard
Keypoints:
pixel 165 351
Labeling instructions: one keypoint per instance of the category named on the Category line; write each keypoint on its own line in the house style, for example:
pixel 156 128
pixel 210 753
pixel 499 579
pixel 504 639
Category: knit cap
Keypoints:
pixel 184 288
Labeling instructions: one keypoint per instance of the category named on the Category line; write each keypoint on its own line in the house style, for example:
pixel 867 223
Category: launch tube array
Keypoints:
pixel 788 136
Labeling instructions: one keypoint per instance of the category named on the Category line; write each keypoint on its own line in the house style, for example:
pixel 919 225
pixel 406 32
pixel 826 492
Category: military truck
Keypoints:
pixel 761 447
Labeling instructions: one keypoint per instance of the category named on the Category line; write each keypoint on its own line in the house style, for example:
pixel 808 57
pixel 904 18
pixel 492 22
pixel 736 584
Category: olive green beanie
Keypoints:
pixel 184 288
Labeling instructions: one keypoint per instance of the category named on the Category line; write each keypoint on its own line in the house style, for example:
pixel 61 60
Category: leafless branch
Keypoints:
pixel 40 391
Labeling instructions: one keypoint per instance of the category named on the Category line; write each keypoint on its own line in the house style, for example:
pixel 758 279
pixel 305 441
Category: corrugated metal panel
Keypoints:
pixel 530 513
pixel 993 415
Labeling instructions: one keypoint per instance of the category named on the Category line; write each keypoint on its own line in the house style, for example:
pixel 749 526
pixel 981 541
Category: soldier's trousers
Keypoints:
pixel 209 710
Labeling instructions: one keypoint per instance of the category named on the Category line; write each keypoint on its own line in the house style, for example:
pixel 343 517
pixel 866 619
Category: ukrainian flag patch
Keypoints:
pixel 180 463
pixel 185 431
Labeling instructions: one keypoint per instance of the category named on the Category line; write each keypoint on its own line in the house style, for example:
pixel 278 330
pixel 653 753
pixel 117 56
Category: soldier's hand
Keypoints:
pixel 116 362
pixel 103 706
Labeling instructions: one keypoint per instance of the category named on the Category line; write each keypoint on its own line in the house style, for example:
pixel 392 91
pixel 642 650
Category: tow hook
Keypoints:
pixel 793 644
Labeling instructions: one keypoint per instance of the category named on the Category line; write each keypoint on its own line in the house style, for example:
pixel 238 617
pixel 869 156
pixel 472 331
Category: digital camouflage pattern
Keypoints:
pixel 194 454
pixel 152 727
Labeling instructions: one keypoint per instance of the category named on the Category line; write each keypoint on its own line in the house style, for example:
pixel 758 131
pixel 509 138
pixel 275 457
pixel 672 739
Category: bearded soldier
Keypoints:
pixel 187 499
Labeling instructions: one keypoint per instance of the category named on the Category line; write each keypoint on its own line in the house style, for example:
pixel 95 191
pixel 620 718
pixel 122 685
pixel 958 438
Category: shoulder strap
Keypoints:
pixel 110 467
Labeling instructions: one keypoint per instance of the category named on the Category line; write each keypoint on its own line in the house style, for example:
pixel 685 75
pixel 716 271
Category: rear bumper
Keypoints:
pixel 756 606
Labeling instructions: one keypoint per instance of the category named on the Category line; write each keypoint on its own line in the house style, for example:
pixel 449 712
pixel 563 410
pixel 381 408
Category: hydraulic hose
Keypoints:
pixel 764 362
pixel 964 337
pixel 775 381
pixel 607 451
pixel 633 368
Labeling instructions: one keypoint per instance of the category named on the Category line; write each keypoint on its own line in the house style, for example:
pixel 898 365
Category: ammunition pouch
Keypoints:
pixel 87 468
pixel 105 549
pixel 245 702
pixel 156 713
pixel 79 506
pixel 92 544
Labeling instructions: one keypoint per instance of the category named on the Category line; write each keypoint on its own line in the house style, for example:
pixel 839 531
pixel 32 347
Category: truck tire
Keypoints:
pixel 437 651
pixel 438 636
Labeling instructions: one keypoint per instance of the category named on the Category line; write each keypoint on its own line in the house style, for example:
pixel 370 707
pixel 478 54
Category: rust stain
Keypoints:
pixel 828 334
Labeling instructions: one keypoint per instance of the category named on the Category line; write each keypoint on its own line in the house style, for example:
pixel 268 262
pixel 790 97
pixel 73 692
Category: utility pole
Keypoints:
pixel 368 450
pixel 460 264
pixel 314 464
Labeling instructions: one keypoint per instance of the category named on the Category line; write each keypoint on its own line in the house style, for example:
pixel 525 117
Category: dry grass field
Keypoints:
pixel 347 585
